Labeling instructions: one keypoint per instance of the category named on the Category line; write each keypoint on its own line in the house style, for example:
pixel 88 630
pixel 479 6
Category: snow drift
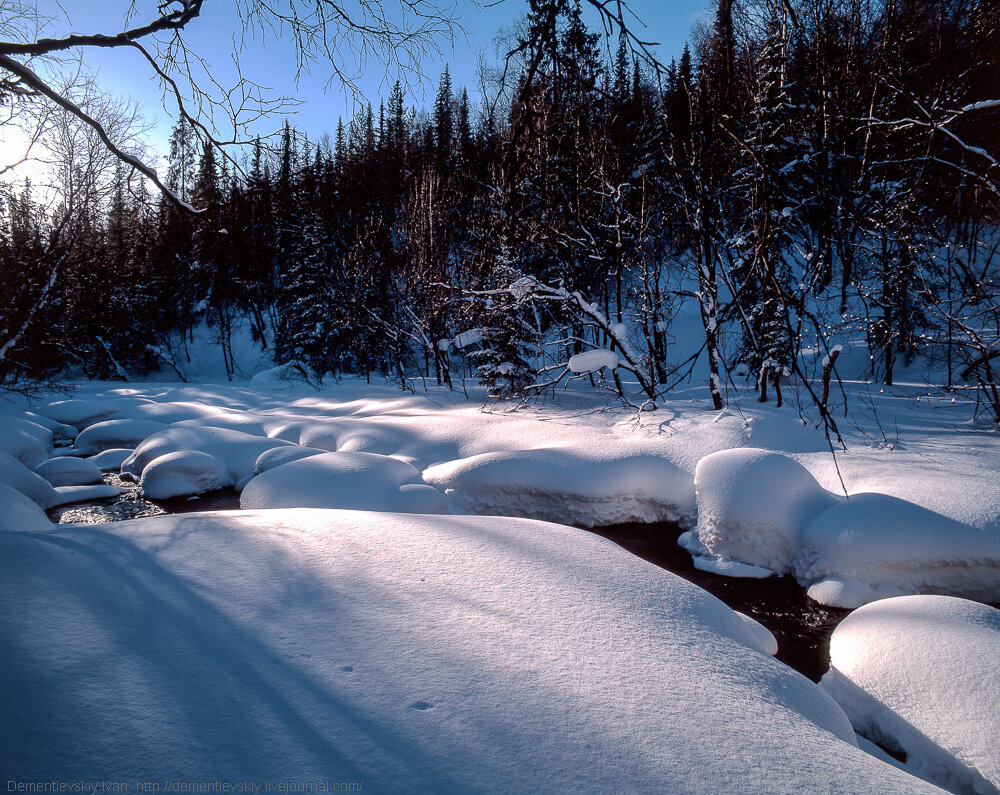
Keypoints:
pixel 408 652
pixel 918 675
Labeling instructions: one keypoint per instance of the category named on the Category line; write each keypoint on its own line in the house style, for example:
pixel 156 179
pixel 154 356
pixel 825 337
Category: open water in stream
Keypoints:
pixel 801 626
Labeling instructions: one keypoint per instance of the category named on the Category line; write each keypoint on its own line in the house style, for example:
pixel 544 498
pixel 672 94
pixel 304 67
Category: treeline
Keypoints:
pixel 805 173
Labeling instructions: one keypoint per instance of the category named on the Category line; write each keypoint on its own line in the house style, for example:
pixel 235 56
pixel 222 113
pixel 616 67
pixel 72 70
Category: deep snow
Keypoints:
pixel 440 653
pixel 758 488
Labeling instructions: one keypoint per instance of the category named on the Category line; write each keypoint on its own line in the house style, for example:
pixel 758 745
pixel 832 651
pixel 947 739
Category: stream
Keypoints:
pixel 802 627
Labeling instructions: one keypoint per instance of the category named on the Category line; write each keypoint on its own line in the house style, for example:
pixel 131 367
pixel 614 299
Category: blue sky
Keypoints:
pixel 271 63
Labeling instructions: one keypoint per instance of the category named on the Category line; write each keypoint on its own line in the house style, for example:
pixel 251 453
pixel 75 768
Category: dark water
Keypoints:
pixel 132 505
pixel 801 626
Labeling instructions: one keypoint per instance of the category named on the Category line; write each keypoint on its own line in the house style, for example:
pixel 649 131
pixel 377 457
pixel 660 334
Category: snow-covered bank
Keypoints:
pixel 918 674
pixel 769 495
pixel 448 653
pixel 761 512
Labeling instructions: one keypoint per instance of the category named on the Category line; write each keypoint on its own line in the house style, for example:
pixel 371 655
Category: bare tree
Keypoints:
pixel 327 32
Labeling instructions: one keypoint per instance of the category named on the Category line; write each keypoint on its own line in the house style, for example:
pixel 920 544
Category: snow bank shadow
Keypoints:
pixel 150 650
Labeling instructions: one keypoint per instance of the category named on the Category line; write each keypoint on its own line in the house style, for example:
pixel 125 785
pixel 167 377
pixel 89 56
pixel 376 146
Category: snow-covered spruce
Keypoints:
pixel 918 675
pixel 410 652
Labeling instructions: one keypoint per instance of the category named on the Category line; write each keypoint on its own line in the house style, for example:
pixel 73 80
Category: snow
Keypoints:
pixel 26 441
pixel 761 512
pixel 918 674
pixel 365 481
pixel 589 361
pixel 563 484
pixel 69 471
pixel 753 506
pixel 236 453
pixel 110 460
pixel 277 456
pixel 874 545
pixel 408 652
pixel 32 485
pixel 284 375
pixel 183 473
pixel 117 433
pixel 19 514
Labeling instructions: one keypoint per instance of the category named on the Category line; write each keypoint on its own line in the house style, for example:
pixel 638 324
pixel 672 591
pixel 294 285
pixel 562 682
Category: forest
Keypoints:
pixel 807 174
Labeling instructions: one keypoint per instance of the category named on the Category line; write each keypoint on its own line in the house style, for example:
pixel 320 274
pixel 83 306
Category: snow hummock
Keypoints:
pixel 118 433
pixel 282 376
pixel 27 441
pixel 566 485
pixel 760 512
pixel 411 653
pixel 19 514
pixel 873 545
pixel 110 460
pixel 69 471
pixel 919 674
pixel 752 507
pixel 589 361
pixel 32 485
pixel 364 481
pixel 183 473
pixel 236 453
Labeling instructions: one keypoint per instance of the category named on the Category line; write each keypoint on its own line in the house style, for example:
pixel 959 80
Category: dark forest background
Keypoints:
pixel 805 173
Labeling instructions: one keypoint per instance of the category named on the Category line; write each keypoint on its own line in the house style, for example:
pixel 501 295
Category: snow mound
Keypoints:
pixel 66 495
pixel 363 481
pixel 32 485
pixel 27 441
pixel 60 431
pixel 19 514
pixel 110 460
pixel 83 412
pixel 753 506
pixel 567 486
pixel 183 473
pixel 237 452
pixel 69 471
pixel 589 361
pixel 119 433
pixel 277 456
pixel 874 545
pixel 918 674
pixel 414 653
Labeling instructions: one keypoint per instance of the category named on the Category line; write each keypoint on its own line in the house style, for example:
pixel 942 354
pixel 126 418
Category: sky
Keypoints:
pixel 271 62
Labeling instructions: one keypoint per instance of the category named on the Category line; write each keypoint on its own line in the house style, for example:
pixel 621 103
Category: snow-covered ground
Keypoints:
pixel 458 652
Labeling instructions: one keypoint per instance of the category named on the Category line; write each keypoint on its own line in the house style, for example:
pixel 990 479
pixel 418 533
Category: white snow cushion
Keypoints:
pixel 415 653
pixel 362 481
pixel 753 506
pixel 19 514
pixel 919 674
pixel 110 460
pixel 237 451
pixel 27 441
pixel 32 485
pixel 115 433
pixel 567 485
pixel 183 473
pixel 277 456
pixel 874 545
pixel 69 471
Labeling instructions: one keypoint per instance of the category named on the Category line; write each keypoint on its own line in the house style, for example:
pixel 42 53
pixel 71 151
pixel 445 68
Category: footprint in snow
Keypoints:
pixel 421 705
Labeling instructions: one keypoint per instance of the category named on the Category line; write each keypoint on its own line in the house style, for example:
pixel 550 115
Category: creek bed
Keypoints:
pixel 801 626
pixel 130 504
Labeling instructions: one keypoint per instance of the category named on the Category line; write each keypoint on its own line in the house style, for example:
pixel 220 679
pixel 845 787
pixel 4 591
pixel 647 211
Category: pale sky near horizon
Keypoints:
pixel 271 63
